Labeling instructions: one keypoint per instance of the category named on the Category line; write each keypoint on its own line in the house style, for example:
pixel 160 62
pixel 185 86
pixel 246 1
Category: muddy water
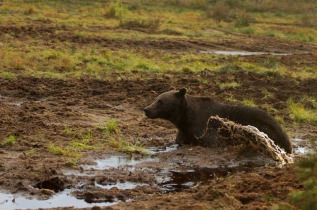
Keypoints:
pixel 302 147
pixel 118 161
pixel 242 53
pixel 156 150
pixel 173 178
pixel 63 199
pixel 121 185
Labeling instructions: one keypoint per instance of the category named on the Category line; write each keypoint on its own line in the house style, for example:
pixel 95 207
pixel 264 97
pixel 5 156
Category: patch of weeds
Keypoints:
pixel 246 30
pixel 68 130
pixel 56 150
pixel 72 162
pixel 309 101
pixel 230 67
pixel 219 12
pixel 62 151
pixel 249 102
pixel 301 114
pixel 111 127
pixel 231 98
pixel 30 11
pixel 115 10
pixel 125 146
pixel 8 75
pixel 228 85
pixel 271 62
pixel 146 66
pixel 243 19
pixel 87 137
pixel 306 170
pixel 9 140
pixel 17 63
pixel 30 152
pixel 80 146
pixel 267 95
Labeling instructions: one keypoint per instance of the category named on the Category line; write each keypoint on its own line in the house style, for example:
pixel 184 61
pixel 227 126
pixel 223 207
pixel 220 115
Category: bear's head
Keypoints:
pixel 169 105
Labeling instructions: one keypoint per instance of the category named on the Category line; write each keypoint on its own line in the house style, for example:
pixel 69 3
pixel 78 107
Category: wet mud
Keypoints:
pixel 36 111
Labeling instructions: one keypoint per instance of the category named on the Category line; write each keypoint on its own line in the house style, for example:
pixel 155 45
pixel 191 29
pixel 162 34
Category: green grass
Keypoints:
pixel 9 140
pixel 249 102
pixel 228 85
pixel 306 170
pixel 126 146
pixel 301 114
pixel 111 127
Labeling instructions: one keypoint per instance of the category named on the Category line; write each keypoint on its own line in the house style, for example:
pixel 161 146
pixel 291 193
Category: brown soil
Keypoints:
pixel 37 111
pixel 52 34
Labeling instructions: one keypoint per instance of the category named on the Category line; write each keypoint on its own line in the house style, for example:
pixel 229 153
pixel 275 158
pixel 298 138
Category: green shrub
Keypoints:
pixel 306 169
pixel 243 19
pixel 115 10
pixel 219 12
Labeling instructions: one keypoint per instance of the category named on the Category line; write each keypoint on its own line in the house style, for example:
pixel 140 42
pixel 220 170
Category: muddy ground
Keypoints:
pixel 38 111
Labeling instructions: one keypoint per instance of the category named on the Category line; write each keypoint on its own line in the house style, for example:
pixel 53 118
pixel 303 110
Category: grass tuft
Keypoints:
pixel 111 127
pixel 125 146
pixel 249 102
pixel 228 85
pixel 301 114
pixel 9 140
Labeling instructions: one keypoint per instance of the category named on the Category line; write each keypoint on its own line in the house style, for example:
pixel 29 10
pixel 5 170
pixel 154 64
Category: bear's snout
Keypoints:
pixel 148 112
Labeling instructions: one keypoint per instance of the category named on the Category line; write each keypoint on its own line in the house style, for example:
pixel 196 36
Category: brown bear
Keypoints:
pixel 190 115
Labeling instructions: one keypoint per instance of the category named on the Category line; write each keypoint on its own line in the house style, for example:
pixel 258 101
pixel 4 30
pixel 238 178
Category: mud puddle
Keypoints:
pixel 119 161
pixel 63 199
pixel 156 150
pixel 303 147
pixel 242 53
pixel 129 160
pixel 121 185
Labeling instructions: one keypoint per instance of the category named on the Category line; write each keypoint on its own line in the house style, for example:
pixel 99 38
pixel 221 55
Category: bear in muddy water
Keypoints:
pixel 190 115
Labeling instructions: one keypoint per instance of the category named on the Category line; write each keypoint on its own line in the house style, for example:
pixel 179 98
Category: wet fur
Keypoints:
pixel 190 114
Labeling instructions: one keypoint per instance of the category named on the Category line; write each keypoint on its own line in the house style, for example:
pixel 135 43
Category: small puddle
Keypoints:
pixel 121 185
pixel 117 161
pixel 20 103
pixel 180 180
pixel 124 160
pixel 156 150
pixel 63 199
pixel 302 147
pixel 243 53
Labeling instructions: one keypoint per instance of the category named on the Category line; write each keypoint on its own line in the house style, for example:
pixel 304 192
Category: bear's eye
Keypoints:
pixel 160 102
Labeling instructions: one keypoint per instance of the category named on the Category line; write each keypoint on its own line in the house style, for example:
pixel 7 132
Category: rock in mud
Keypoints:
pixel 55 183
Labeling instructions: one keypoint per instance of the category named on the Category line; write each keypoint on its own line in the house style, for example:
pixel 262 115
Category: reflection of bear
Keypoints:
pixel 190 114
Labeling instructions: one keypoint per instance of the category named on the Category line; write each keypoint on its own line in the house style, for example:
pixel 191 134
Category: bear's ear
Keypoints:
pixel 182 92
